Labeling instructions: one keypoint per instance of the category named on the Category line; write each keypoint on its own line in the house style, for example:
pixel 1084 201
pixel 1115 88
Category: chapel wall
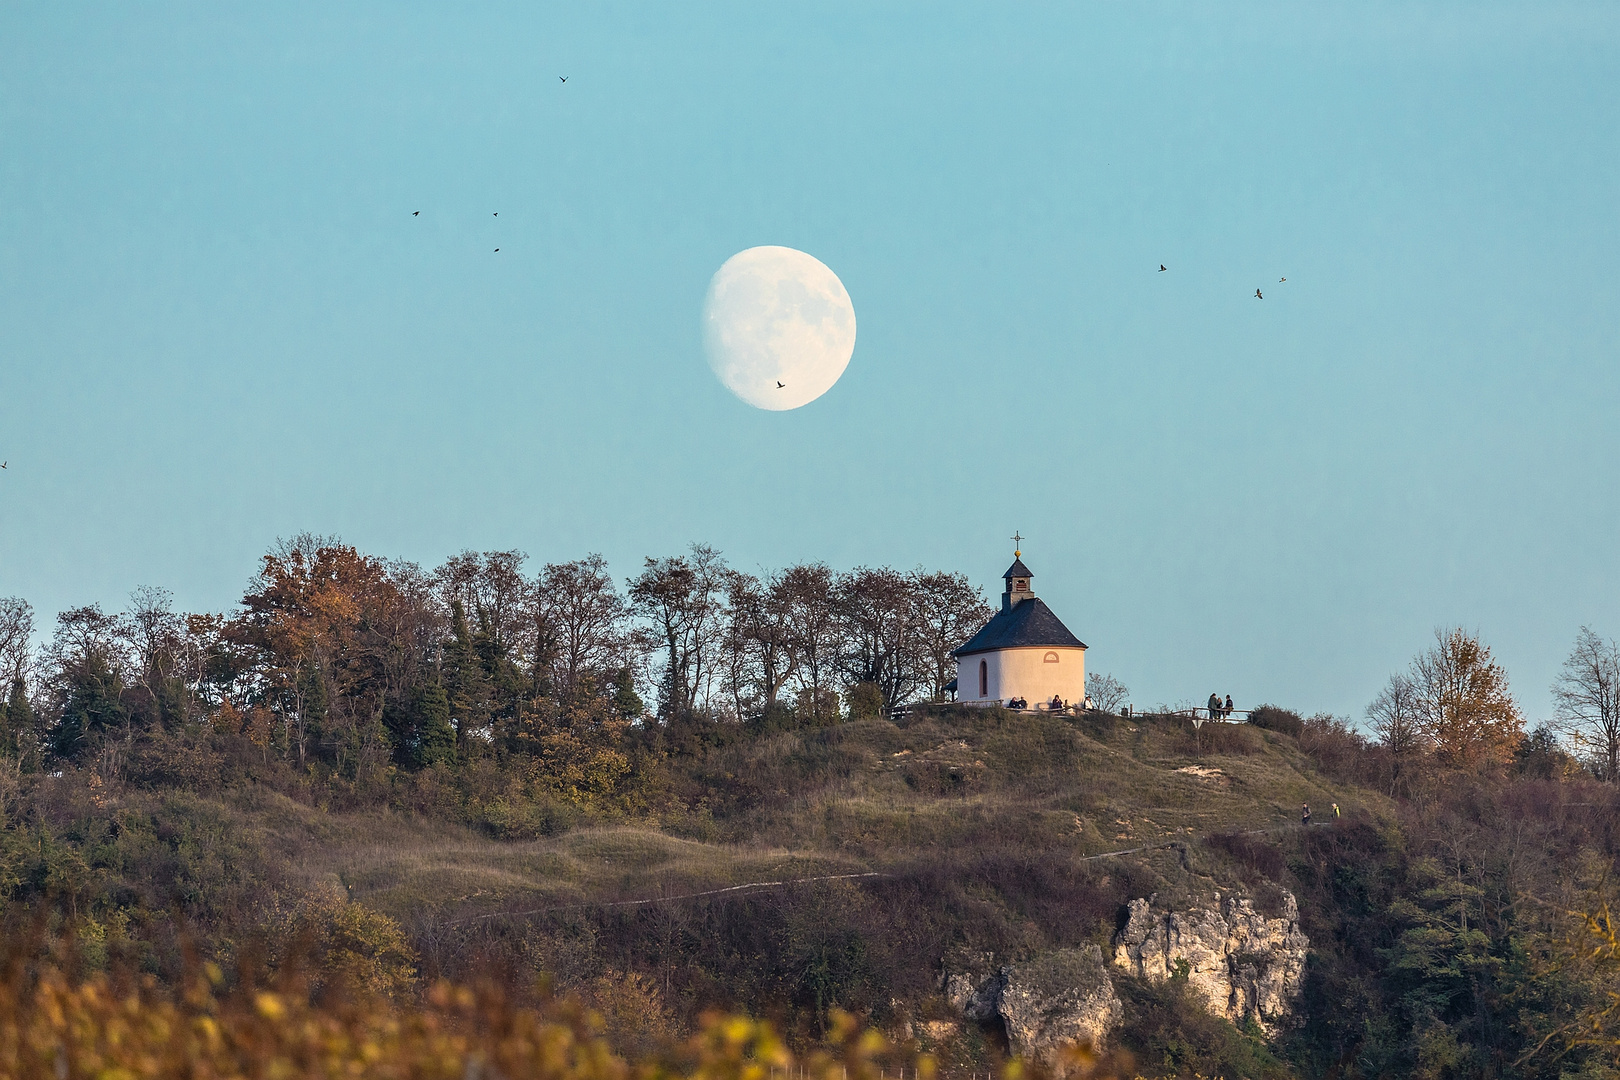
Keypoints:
pixel 1026 673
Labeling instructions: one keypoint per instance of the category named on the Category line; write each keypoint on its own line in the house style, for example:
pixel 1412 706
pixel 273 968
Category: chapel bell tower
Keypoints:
pixel 1017 579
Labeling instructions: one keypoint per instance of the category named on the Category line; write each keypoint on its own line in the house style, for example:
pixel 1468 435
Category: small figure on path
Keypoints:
pixel 1226 710
pixel 1305 814
pixel 1214 706
pixel 1057 704
pixel 1335 811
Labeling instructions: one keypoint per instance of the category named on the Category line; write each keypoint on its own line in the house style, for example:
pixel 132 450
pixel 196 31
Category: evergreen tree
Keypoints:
pixel 626 702
pixel 17 725
pixel 92 708
pixel 466 683
pixel 420 729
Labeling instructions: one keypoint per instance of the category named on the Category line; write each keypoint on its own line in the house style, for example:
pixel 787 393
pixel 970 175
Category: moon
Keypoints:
pixel 776 315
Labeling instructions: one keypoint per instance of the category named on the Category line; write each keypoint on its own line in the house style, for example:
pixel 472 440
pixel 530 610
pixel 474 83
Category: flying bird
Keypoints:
pixel 3 464
pixel 416 213
pixel 564 78
pixel 1161 268
pixel 1281 279
pixel 497 249
pixel 1257 295
pixel 496 214
pixel 779 386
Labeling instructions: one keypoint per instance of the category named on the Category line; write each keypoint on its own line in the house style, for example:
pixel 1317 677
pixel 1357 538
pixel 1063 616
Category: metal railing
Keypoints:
pixel 1199 714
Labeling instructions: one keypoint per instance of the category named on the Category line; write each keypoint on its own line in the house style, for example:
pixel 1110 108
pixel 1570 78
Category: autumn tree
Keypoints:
pixel 156 636
pixel 16 634
pixel 808 597
pixel 1396 716
pixel 1461 710
pixel 324 620
pixel 878 616
pixel 493 592
pixel 680 601
pixel 586 621
pixel 1587 697
pixel 762 643
pixel 16 654
pixel 947 610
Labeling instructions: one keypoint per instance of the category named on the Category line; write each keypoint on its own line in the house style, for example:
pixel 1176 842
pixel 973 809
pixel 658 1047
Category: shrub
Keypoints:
pixel 1343 753
pixel 1171 1034
pixel 865 701
pixel 1214 738
pixel 1273 718
pixel 1256 854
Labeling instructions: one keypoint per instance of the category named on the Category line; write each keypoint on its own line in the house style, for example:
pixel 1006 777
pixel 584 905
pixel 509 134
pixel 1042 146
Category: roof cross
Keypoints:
pixel 1017 540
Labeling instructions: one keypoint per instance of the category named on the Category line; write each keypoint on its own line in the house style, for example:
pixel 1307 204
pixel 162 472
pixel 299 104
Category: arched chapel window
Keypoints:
pixel 984 679
pixel 1050 658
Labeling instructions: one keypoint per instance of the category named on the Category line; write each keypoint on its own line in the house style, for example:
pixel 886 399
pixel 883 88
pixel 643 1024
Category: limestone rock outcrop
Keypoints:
pixel 1242 962
pixel 1058 998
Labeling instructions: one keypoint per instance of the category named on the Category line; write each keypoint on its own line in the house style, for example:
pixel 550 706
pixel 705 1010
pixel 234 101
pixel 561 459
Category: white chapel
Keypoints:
pixel 1024 651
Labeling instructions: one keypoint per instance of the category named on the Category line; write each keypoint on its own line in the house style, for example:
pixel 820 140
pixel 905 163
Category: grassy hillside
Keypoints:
pixel 938 790
pixel 874 856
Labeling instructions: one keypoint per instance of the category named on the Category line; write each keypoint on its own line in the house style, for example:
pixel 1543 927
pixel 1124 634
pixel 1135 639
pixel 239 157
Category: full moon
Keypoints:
pixel 778 327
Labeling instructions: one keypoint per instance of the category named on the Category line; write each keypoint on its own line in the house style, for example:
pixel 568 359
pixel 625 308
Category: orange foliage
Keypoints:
pixel 1467 714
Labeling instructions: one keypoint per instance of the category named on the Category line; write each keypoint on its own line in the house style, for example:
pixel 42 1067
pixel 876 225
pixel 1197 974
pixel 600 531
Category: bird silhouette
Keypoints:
pixel 416 213
pixel 1161 268
pixel 3 464
pixel 564 78
pixel 496 214
pixel 1282 279
pixel 779 386
pixel 497 249
pixel 1257 295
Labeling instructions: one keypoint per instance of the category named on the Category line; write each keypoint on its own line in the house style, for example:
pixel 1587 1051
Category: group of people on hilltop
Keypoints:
pixel 1219 710
pixel 1057 704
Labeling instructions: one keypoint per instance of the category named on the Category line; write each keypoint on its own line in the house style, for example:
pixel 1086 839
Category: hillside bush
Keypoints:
pixel 1275 718
pixel 1173 1035
pixel 1216 738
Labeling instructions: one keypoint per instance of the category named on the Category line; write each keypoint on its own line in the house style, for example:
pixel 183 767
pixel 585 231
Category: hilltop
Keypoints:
pixel 974 829
pixel 721 791
pixel 933 842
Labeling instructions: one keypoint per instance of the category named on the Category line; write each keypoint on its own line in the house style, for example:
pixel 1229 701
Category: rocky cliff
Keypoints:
pixel 1058 998
pixel 1244 963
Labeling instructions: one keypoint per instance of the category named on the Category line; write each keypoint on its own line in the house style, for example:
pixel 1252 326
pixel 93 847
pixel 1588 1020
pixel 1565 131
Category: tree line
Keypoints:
pixel 352 663
pixel 1453 708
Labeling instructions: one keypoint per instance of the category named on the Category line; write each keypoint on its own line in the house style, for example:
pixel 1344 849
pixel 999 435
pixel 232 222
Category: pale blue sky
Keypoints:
pixel 220 324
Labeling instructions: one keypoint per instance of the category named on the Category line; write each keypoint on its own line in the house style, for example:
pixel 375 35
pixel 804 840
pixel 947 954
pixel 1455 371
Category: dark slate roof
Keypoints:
pixel 1017 569
pixel 1030 623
